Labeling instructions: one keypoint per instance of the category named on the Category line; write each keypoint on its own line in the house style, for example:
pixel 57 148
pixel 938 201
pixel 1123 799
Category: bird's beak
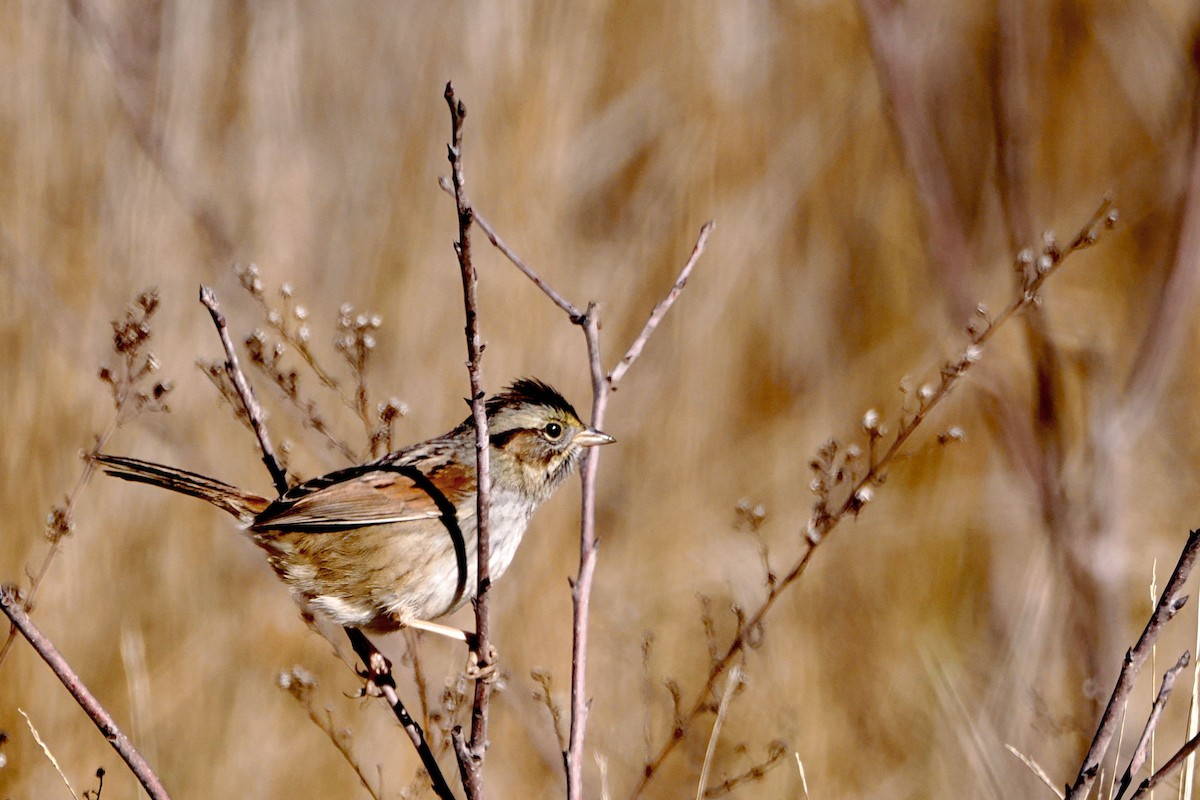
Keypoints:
pixel 590 437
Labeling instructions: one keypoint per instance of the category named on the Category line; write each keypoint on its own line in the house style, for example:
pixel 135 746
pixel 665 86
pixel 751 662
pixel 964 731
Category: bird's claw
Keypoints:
pixel 484 668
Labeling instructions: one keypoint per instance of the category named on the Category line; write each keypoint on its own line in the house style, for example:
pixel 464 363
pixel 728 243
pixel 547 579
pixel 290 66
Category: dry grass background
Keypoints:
pixel 157 144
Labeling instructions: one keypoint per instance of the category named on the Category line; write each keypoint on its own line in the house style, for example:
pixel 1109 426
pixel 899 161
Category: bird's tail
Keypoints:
pixel 243 505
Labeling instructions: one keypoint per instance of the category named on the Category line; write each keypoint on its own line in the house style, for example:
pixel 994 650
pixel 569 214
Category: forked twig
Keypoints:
pixel 1169 603
pixel 602 385
pixel 12 605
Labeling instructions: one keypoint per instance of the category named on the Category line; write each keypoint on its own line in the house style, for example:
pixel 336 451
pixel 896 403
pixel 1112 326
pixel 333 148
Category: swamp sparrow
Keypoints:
pixel 391 543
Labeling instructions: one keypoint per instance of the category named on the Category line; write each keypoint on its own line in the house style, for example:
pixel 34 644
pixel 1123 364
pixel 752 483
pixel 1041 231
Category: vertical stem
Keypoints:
pixel 581 587
pixel 472 766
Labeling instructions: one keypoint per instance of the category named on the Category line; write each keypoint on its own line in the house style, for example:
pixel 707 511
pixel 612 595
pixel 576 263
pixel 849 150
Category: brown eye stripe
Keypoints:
pixel 504 437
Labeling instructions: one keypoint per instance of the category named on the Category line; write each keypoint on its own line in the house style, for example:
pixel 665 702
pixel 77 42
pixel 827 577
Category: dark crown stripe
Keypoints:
pixel 530 391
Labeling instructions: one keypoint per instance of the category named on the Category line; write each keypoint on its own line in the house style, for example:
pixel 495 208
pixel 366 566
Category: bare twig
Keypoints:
pixel 1139 752
pixel 560 301
pixel 135 364
pixel 14 607
pixel 581 587
pixel 472 766
pixel 775 753
pixel 253 409
pixel 1173 763
pixel 379 677
pixel 1169 603
pixel 602 385
pixel 378 667
pixel 661 309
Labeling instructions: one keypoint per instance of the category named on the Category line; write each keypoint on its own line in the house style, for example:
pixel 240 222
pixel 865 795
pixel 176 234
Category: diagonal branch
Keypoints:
pixel 1169 603
pixel 1160 702
pixel 825 518
pixel 253 410
pixel 12 605
pixel 661 309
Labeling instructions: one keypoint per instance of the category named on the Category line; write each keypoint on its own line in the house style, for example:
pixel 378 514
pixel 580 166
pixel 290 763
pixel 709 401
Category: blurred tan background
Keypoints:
pixel 873 173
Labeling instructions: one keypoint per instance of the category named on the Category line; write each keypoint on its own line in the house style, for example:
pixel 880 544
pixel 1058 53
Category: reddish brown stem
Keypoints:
pixel 12 605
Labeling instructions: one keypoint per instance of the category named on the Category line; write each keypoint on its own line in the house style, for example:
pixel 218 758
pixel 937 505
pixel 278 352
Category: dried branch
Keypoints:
pixel 1173 763
pixel 300 685
pixel 14 606
pixel 379 679
pixel 775 753
pixel 1168 604
pixel 132 333
pixel 660 310
pixel 471 756
pixel 574 313
pixel 581 587
pixel 602 385
pixel 378 668
pixel 1164 694
pixel 253 410
pixel 859 486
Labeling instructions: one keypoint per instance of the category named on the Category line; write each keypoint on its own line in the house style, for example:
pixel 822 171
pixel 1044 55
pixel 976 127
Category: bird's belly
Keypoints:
pixel 381 577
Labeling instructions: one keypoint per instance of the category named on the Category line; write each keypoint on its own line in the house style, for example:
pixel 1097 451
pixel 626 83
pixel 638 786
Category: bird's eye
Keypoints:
pixel 553 430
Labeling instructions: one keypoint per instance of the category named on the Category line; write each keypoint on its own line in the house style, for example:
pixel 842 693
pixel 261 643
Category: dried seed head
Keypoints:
pixel 870 421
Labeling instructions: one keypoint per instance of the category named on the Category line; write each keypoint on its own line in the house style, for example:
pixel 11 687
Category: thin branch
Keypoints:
pixel 1164 694
pixel 560 301
pixel 379 677
pixel 12 605
pixel 253 409
pixel 860 490
pixel 1169 603
pixel 378 667
pixel 472 766
pixel 1172 764
pixel 581 587
pixel 661 309
pixel 135 363
pixel 602 385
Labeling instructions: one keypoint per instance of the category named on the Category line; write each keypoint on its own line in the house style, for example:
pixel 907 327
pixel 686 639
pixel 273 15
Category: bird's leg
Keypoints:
pixel 479 666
